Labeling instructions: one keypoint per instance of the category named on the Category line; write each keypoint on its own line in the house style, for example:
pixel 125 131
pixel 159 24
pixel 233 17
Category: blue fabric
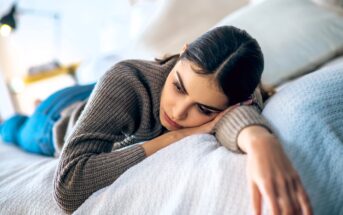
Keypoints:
pixel 12 124
pixel 34 133
pixel 307 116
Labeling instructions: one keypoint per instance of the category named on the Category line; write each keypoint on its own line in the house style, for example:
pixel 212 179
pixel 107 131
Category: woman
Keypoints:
pixel 207 88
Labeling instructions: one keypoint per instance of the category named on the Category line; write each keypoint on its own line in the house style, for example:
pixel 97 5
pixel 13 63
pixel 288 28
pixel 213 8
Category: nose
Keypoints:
pixel 180 111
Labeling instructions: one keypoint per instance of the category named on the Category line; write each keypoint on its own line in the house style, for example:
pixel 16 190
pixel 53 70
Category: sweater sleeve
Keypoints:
pixel 87 162
pixel 233 122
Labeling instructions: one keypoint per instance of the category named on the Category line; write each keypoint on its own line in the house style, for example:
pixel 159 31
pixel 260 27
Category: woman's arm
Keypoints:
pixel 166 139
pixel 235 120
pixel 152 146
pixel 271 176
pixel 88 162
pixel 270 173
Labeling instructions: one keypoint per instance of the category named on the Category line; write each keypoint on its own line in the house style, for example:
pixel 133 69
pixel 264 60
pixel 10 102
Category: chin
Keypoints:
pixel 168 127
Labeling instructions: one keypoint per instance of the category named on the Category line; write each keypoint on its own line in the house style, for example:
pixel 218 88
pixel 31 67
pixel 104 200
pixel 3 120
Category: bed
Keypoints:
pixel 196 175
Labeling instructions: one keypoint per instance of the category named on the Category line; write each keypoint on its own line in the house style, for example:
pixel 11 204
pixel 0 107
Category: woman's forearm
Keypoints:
pixel 152 146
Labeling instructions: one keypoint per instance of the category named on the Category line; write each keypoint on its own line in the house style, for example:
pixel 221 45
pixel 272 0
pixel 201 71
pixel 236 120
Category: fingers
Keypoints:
pixel 287 199
pixel 271 198
pixel 247 102
pixel 303 199
pixel 292 195
pixel 255 198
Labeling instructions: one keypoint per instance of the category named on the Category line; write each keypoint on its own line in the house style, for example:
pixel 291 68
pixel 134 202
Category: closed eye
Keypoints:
pixel 201 108
pixel 205 111
pixel 178 88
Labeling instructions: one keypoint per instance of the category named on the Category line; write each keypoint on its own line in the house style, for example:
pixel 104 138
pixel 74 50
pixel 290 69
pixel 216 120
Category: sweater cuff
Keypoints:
pixel 136 152
pixel 228 128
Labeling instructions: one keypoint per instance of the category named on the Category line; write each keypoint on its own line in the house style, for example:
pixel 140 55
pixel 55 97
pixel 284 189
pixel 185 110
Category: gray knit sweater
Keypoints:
pixel 124 109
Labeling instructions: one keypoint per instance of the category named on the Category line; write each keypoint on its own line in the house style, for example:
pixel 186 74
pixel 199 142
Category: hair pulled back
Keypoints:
pixel 233 56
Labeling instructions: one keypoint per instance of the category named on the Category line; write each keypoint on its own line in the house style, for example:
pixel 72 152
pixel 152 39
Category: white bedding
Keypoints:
pixel 192 176
pixel 26 182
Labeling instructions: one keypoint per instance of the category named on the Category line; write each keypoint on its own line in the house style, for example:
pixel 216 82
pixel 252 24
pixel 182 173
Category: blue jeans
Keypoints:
pixel 34 133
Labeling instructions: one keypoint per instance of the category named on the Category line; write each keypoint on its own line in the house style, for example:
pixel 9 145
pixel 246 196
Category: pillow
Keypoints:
pixel 336 61
pixel 307 117
pixel 296 36
pixel 177 22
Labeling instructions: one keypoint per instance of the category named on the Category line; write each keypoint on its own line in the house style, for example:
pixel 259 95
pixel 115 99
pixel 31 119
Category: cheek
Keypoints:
pixel 168 97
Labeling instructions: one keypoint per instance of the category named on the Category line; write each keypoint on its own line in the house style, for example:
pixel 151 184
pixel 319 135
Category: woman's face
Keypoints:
pixel 189 99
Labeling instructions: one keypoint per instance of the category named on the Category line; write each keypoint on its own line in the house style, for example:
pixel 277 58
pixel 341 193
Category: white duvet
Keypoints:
pixel 192 176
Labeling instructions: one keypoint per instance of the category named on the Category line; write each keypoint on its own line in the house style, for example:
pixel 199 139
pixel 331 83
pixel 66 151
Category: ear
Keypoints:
pixel 185 46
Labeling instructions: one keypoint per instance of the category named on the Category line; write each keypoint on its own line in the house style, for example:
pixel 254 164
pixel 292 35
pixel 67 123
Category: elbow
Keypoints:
pixel 64 198
pixel 67 194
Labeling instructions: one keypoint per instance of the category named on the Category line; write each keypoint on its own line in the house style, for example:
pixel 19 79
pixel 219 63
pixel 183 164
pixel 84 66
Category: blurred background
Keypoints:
pixel 53 33
pixel 46 45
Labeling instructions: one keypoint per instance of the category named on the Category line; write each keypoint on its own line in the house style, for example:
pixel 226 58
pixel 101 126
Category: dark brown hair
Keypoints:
pixel 233 56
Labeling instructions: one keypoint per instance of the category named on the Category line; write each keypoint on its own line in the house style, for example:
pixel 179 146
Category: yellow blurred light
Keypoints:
pixel 5 30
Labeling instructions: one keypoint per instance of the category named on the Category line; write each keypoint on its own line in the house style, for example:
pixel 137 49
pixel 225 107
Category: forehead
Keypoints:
pixel 201 88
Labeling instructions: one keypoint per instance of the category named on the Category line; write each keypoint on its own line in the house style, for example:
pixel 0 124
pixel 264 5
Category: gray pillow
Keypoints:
pixel 296 36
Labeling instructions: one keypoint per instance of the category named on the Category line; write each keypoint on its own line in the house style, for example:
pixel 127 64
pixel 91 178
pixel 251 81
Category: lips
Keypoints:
pixel 171 122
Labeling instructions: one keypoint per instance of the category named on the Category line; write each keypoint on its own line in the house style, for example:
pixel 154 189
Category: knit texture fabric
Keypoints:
pixel 307 117
pixel 123 108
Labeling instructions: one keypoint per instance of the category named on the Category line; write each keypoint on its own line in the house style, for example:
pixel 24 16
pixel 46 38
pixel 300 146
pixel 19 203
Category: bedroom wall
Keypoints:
pixel 84 30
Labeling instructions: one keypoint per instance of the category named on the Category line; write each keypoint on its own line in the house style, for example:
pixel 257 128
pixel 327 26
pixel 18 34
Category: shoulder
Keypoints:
pixel 152 73
pixel 145 67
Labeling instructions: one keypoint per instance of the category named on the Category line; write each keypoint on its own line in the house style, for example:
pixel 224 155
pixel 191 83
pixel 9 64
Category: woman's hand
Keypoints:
pixel 271 176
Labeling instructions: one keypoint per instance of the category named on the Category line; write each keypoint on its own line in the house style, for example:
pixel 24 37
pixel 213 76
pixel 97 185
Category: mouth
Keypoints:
pixel 171 122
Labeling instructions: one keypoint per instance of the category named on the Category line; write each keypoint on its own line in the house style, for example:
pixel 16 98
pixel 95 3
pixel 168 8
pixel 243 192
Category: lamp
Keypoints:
pixel 8 22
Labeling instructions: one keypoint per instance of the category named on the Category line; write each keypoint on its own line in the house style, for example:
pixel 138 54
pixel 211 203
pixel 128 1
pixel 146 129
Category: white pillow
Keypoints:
pixel 177 22
pixel 296 36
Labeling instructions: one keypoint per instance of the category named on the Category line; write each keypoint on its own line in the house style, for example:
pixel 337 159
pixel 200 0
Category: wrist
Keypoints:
pixel 186 132
pixel 252 136
pixel 164 140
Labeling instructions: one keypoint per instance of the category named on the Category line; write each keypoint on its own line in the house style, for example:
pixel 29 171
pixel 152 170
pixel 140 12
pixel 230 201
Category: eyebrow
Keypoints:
pixel 185 91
